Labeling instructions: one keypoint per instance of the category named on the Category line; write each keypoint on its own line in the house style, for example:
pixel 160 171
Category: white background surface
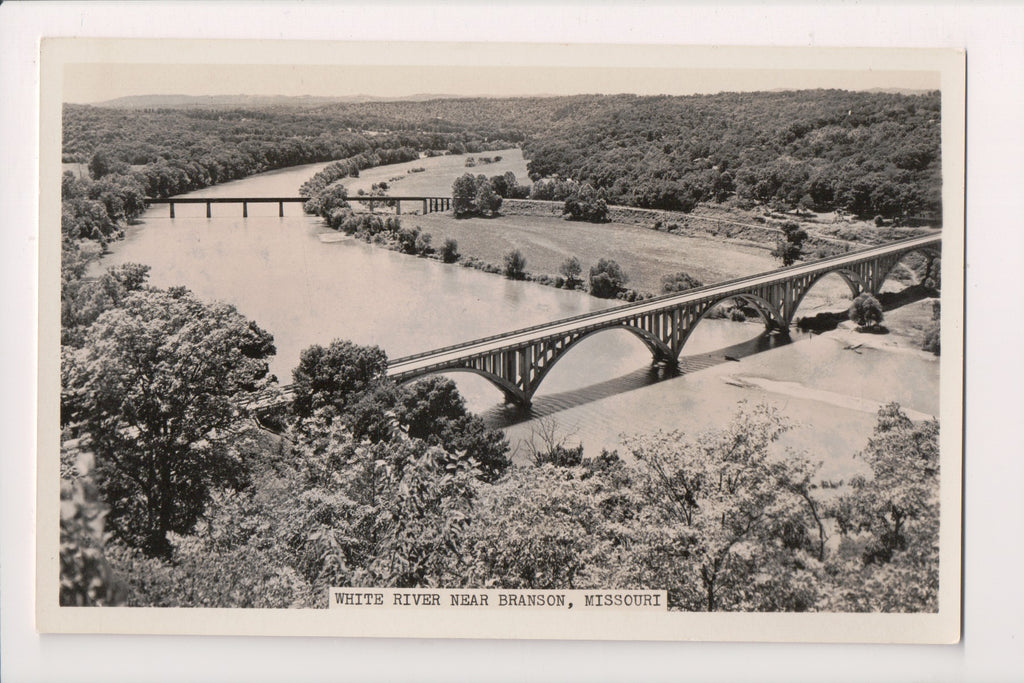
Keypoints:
pixel 992 649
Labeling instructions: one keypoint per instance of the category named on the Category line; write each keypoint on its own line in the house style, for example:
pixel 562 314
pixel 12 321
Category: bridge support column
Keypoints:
pixel 245 209
pixel 280 209
pixel 424 207
pixel 208 212
pixel 172 208
pixel 398 207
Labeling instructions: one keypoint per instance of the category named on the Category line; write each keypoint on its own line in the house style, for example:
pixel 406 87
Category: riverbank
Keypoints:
pixel 646 256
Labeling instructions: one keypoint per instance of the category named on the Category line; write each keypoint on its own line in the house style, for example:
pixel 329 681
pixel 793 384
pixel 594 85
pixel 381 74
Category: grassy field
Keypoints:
pixel 439 174
pixel 645 255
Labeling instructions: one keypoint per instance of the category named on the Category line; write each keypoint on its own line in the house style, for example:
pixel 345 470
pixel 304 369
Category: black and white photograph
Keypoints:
pixel 477 343
pixel 575 341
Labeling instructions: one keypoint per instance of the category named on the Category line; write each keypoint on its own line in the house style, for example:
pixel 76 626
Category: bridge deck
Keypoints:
pixel 268 200
pixel 609 316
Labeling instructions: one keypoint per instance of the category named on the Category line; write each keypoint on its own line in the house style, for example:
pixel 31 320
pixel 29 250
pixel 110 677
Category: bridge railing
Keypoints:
pixel 223 200
pixel 852 256
pixel 257 200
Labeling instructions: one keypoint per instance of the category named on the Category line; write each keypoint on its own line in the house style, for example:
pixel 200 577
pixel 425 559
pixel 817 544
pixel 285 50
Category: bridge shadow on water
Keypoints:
pixel 507 415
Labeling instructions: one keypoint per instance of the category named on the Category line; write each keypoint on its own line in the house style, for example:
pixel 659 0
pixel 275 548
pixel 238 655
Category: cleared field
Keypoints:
pixel 645 255
pixel 439 174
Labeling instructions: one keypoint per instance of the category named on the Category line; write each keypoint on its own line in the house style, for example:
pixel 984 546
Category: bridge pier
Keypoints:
pixel 424 207
pixel 171 204
pixel 280 209
pixel 209 214
pixel 398 207
pixel 245 209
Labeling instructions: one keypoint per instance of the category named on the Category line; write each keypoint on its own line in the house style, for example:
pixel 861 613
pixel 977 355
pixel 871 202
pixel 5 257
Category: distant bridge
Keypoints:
pixel 517 362
pixel 430 204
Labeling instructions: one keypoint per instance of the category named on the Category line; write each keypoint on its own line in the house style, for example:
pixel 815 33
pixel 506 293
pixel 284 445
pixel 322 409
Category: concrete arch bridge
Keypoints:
pixel 517 362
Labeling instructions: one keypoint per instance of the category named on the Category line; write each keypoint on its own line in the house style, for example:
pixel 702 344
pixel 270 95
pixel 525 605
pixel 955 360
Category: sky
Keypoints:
pixel 100 81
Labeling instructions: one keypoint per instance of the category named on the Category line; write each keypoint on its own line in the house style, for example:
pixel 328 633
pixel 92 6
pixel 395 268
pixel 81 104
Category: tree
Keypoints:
pixel 392 513
pixel 547 445
pixel 333 378
pixel 515 265
pixel 541 528
pixel 434 411
pixel 464 193
pixel 680 282
pixel 735 528
pixel 86 577
pixel 103 163
pixel 487 200
pixel 571 269
pixel 607 279
pixel 156 389
pixel 889 555
pixel 83 301
pixel 584 204
pixel 790 247
pixel 866 311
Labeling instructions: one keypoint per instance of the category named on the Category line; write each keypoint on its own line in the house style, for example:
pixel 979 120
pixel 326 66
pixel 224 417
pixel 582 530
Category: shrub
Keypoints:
pixel 561 456
pixel 423 243
pixel 515 265
pixel 450 251
pixel 570 270
pixel 407 239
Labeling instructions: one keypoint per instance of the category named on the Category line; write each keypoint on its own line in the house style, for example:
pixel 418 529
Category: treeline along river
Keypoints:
pixel 296 279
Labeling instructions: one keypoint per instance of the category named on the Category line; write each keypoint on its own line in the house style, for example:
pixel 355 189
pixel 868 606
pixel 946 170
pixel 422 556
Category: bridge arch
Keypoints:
pixel 852 279
pixel 768 313
pixel 659 351
pixel 512 393
pixel 929 253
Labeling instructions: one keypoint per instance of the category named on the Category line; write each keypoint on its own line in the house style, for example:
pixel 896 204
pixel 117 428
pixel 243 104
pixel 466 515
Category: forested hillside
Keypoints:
pixel 870 154
pixel 170 151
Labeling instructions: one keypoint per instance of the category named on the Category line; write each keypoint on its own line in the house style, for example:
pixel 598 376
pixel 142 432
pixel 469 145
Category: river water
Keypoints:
pixel 297 280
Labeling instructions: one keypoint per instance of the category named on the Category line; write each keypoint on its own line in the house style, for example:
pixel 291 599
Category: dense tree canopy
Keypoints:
pixel 888 559
pixel 866 153
pixel 155 388
pixel 735 529
pixel 335 377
